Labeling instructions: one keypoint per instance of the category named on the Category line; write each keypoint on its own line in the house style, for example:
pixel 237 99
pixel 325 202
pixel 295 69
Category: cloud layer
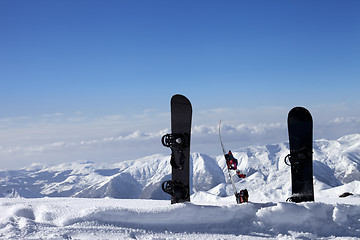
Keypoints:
pixel 58 137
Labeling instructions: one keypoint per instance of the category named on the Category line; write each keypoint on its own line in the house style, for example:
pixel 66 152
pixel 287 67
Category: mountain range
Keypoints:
pixel 336 170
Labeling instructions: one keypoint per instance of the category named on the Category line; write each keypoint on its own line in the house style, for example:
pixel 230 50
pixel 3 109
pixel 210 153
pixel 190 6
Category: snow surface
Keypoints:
pixel 74 218
pixel 124 200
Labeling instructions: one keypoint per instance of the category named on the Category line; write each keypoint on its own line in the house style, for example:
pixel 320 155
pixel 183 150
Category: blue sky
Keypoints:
pixel 110 68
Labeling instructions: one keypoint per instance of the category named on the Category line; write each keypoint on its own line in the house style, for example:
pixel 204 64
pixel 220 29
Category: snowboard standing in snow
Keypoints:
pixel 300 128
pixel 231 164
pixel 179 143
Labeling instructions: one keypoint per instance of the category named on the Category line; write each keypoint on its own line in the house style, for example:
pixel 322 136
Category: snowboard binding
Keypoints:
pixel 242 196
pixel 175 140
pixel 297 157
pixel 175 189
pixel 231 162
pixel 177 143
pixel 240 174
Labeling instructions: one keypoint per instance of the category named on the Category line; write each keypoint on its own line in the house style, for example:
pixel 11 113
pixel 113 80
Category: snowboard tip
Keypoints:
pixel 180 99
pixel 300 113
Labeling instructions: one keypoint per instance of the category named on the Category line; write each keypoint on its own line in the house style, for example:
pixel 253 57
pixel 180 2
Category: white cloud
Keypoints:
pixel 344 120
pixel 55 138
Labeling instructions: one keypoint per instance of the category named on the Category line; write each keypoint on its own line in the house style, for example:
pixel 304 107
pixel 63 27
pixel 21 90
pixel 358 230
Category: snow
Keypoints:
pixel 75 218
pixel 85 200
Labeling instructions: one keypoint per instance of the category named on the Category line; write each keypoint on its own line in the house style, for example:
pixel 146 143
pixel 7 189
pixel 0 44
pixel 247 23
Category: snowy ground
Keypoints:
pixel 216 218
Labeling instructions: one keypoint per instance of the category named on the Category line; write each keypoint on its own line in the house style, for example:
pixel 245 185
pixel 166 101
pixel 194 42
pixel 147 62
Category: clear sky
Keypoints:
pixel 75 71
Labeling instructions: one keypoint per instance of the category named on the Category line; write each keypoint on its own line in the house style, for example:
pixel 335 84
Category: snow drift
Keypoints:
pixel 75 218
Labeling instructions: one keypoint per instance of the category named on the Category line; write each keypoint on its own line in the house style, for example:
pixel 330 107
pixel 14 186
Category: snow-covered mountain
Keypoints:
pixel 336 170
pixel 63 201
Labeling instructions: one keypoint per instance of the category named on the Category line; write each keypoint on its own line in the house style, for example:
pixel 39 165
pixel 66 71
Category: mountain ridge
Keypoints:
pixel 336 163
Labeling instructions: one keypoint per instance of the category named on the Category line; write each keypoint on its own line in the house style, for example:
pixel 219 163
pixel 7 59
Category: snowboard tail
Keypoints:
pixel 179 143
pixel 300 130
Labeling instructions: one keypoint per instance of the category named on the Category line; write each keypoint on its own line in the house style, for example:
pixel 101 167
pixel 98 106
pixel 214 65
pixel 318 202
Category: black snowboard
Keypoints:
pixel 300 128
pixel 179 142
